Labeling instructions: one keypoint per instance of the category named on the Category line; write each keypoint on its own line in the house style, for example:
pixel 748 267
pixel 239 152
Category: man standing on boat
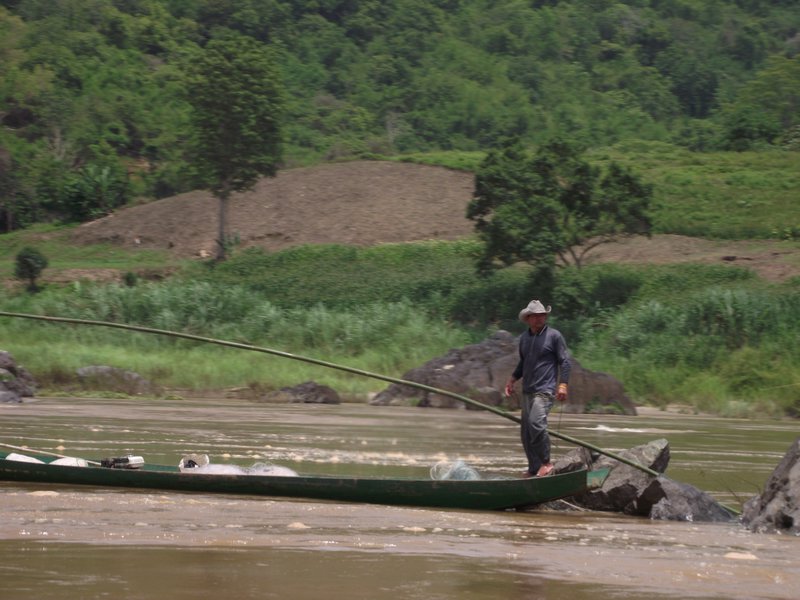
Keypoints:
pixel 544 368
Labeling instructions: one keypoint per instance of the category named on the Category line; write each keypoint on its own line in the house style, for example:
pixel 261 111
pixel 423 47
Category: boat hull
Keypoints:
pixel 485 494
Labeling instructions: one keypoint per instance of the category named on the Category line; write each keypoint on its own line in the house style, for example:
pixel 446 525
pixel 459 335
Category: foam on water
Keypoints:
pixel 653 430
pixel 256 469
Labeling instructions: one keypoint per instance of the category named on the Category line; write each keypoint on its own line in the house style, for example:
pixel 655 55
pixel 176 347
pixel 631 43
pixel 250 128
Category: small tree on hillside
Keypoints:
pixel 234 89
pixel 534 209
pixel 29 265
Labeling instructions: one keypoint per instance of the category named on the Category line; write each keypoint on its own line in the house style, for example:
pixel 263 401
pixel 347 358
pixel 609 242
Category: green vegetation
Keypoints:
pixel 725 195
pixel 715 337
pixel 53 242
pixel 535 209
pixel 384 337
pixel 716 195
pixel 237 99
pixel 29 266
pixel 698 99
pixel 724 348
pixel 95 109
pixel 344 277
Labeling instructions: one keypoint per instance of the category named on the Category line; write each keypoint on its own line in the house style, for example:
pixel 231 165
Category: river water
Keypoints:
pixel 68 542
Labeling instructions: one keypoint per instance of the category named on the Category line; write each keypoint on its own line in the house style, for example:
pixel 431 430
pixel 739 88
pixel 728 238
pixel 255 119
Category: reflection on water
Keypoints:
pixel 65 542
pixel 54 572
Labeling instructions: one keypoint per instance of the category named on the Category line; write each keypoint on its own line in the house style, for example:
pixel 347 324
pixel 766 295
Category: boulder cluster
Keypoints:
pixel 777 508
pixel 479 372
pixel 636 492
pixel 15 381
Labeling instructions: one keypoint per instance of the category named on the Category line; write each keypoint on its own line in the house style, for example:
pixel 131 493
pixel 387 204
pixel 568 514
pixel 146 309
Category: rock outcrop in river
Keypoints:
pixel 103 377
pixel 15 381
pixel 634 492
pixel 479 372
pixel 309 392
pixel 777 508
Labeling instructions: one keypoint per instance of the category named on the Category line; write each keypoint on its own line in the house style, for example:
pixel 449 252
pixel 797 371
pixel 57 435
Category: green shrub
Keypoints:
pixel 742 341
pixel 29 266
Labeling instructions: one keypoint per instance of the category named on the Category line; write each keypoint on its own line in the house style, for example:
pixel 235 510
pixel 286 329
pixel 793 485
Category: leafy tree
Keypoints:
pixel 694 81
pixel 745 126
pixel 29 265
pixel 381 77
pixel 533 209
pixel 93 192
pixel 7 190
pixel 775 90
pixel 234 89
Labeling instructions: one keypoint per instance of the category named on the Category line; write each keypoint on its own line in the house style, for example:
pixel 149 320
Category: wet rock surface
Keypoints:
pixel 117 380
pixel 15 381
pixel 479 372
pixel 309 392
pixel 633 491
pixel 777 508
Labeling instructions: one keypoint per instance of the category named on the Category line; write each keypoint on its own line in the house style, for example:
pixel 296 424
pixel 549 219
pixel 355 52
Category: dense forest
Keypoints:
pixel 94 110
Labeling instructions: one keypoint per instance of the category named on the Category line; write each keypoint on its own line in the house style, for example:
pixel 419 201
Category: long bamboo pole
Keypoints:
pixel 315 361
pixel 422 386
pixel 26 449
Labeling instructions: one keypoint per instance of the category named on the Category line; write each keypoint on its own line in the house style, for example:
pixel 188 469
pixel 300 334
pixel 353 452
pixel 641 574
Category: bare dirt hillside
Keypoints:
pixel 366 203
pixel 361 203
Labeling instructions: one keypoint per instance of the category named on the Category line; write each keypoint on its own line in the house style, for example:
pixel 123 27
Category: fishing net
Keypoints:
pixel 453 470
pixel 256 469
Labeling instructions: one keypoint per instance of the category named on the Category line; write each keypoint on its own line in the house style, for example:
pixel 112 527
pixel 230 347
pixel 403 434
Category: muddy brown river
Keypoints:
pixel 69 542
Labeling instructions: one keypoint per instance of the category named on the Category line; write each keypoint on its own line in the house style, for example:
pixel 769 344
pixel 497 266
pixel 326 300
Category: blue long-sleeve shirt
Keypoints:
pixel 543 361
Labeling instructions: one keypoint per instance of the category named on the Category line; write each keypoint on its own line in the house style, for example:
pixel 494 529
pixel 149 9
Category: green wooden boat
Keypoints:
pixel 481 494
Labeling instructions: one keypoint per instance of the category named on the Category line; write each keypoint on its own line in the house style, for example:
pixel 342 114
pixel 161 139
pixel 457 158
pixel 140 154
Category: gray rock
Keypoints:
pixel 632 491
pixel 309 392
pixel 117 380
pixel 15 378
pixel 10 397
pixel 479 372
pixel 668 500
pixel 625 484
pixel 777 508
pixel 574 460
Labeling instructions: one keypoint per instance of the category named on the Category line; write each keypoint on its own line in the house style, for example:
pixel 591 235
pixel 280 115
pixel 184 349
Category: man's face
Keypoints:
pixel 536 321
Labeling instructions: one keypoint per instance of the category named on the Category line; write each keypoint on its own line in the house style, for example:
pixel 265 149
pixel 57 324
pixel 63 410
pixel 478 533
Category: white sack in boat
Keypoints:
pixel 23 458
pixel 70 461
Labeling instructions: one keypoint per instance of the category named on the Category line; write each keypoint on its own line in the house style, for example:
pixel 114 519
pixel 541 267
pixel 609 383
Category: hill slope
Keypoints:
pixel 372 202
pixel 360 203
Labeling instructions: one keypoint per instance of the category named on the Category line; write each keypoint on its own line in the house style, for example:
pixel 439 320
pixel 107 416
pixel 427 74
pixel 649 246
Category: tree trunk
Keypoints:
pixel 222 235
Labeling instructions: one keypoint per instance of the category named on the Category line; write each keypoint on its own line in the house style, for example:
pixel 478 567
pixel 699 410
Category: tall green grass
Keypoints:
pixel 724 350
pixel 384 337
pixel 345 277
pixel 713 336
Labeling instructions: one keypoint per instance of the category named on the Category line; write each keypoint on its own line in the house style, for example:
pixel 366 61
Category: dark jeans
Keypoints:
pixel 535 439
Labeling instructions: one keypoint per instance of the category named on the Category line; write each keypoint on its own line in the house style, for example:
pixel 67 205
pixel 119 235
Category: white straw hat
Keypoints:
pixel 534 308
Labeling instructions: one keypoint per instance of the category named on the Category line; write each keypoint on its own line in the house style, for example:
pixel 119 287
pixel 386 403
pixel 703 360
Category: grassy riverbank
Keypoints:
pixel 715 335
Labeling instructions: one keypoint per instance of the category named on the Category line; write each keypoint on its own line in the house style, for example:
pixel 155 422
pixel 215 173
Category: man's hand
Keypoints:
pixel 561 392
pixel 509 388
